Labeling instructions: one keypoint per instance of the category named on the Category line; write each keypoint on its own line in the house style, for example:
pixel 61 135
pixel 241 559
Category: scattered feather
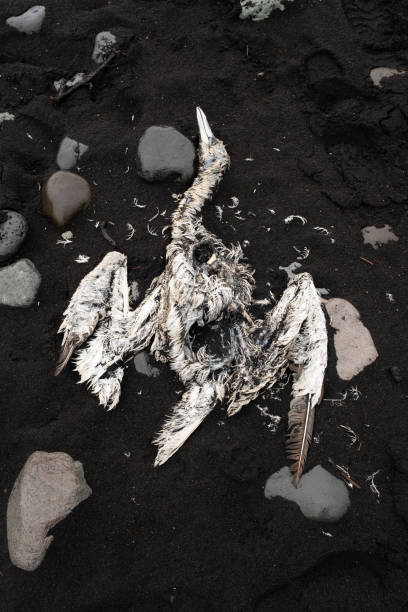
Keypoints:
pixel 273 419
pixel 272 211
pixel 264 302
pixel 219 212
pixel 131 231
pixel 155 215
pixel 136 205
pixel 351 434
pixel 291 218
pixel 327 533
pixel 304 253
pixel 339 401
pixel 235 202
pixel 322 230
pixel 355 393
pixel 151 232
pixel 82 259
pixel 373 487
pixel 389 297
pixel 345 474
pixel 64 242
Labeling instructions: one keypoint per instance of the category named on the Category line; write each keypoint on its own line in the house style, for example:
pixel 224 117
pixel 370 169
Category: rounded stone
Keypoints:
pixel 48 488
pixel 63 195
pixel 165 153
pixel 19 284
pixel 13 230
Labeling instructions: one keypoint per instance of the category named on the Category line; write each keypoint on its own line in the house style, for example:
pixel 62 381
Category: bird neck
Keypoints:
pixel 188 212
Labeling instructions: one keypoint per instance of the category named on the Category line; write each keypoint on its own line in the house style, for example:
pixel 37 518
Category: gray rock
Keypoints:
pixel 28 22
pixel 165 153
pixel 13 230
pixel 48 488
pixel 64 195
pixel 320 496
pixel 19 283
pixel 104 44
pixel 69 153
pixel 143 365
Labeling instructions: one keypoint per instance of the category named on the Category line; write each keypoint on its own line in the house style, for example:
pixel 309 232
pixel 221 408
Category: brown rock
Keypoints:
pixel 63 195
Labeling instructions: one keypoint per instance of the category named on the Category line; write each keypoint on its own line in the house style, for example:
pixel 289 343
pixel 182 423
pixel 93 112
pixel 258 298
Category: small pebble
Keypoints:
pixel 396 373
pixel 28 22
pixel 377 236
pixel 104 44
pixel 69 153
pixel 382 72
pixel 165 153
pixel 13 230
pixel 143 365
pixel 67 235
pixel 19 284
pixel 63 195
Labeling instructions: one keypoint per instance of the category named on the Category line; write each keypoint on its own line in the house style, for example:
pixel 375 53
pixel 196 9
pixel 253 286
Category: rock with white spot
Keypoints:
pixel 319 495
pixel 28 22
pixel 48 488
pixel 13 230
pixel 69 153
pixel 104 44
pixel 19 284
pixel 353 343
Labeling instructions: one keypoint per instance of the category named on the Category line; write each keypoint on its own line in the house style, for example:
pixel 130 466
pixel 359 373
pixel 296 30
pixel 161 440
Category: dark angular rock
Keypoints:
pixel 396 373
pixel 13 230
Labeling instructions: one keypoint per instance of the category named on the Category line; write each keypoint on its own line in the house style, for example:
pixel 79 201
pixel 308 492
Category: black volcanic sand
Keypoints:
pixel 198 534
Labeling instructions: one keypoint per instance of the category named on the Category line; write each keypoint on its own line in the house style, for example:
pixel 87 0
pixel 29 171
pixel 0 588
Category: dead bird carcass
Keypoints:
pixel 203 283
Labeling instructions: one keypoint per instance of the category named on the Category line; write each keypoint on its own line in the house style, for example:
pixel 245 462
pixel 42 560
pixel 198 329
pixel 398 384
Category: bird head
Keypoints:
pixel 212 152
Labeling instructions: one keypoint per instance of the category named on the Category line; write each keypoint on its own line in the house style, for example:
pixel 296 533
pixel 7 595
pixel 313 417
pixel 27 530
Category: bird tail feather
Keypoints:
pixel 196 403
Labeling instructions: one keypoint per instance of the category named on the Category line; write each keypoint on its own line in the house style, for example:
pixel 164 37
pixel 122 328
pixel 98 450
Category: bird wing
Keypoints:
pixel 197 402
pixel 309 359
pixel 91 302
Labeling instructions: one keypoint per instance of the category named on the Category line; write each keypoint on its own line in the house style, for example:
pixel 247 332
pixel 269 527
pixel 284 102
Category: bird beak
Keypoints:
pixel 206 135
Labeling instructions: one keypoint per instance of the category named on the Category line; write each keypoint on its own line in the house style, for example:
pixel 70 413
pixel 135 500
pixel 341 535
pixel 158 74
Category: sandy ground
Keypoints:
pixel 294 94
